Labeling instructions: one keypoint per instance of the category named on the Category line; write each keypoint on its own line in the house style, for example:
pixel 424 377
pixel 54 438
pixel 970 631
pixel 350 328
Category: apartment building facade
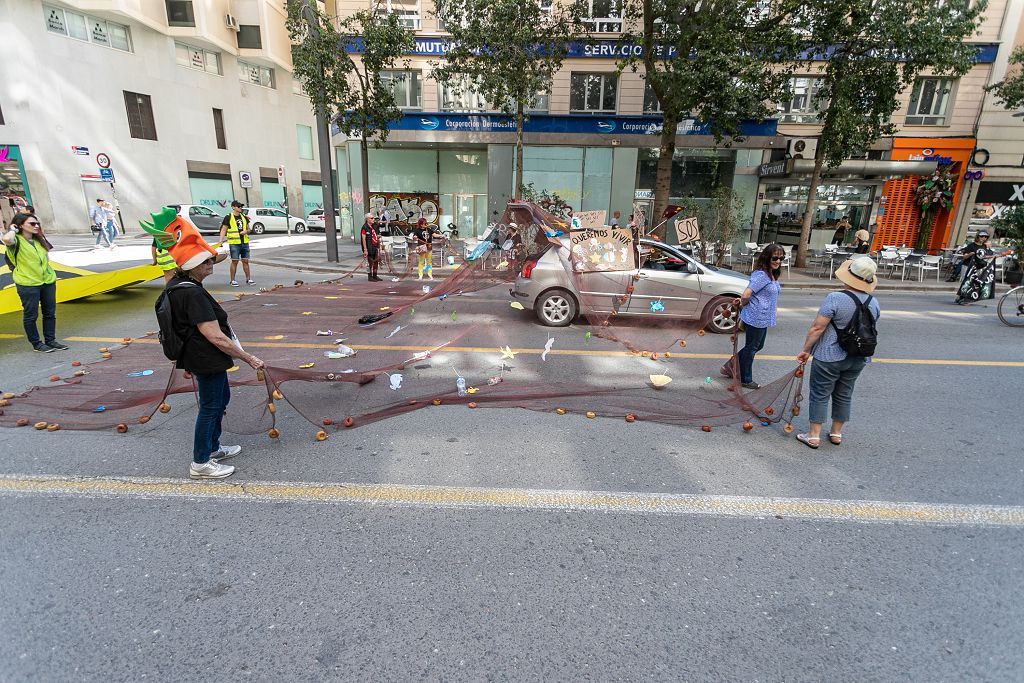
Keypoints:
pixel 593 140
pixel 177 98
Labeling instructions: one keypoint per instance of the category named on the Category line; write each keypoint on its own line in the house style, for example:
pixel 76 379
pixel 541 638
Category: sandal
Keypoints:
pixel 810 442
pixel 836 439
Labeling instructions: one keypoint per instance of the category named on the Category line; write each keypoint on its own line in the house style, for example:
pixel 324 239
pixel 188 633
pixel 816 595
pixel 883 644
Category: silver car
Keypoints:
pixel 670 284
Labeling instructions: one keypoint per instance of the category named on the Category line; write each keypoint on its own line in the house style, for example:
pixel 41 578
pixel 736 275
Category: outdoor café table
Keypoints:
pixel 834 257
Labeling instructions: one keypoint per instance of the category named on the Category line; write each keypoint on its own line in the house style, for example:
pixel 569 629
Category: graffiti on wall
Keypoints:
pixel 404 209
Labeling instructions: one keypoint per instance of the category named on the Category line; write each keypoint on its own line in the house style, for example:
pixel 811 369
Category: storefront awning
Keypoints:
pixel 851 168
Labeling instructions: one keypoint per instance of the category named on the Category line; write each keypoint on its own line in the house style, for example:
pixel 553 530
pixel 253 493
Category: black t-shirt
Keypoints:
pixel 189 307
pixel 423 236
pixel 370 235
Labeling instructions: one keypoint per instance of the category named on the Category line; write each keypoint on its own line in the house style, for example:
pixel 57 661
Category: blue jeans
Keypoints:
pixel 31 298
pixel 214 394
pixel 833 380
pixel 755 342
pixel 102 236
pixel 111 229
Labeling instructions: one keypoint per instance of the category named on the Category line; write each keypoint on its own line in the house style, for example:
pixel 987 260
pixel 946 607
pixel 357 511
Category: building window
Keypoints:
pixel 87 28
pixel 2 122
pixel 248 37
pixel 256 74
pixel 460 96
pixel 803 105
pixel 603 16
pixel 218 128
pixel 140 116
pixel 408 13
pixel 305 138
pixel 197 58
pixel 592 93
pixel 405 85
pixel 179 13
pixel 651 103
pixel 929 102
pixel 539 103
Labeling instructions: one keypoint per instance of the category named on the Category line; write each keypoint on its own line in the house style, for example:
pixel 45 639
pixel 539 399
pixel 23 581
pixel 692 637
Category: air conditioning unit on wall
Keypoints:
pixel 801 148
pixel 231 22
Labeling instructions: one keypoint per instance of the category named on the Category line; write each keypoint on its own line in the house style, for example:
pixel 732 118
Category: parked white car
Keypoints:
pixel 272 220
pixel 315 220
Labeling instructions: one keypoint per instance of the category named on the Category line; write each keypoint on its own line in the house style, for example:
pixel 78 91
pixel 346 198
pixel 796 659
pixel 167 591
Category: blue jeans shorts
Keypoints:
pixel 239 251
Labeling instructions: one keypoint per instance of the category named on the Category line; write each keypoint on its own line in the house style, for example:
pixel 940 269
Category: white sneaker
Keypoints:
pixel 250 282
pixel 226 452
pixel 233 283
pixel 210 470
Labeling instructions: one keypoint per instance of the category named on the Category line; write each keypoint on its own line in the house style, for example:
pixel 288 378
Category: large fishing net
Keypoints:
pixel 649 341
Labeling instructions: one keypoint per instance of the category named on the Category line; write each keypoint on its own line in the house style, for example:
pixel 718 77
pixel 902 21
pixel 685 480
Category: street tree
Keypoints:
pixel 339 62
pixel 866 52
pixel 717 61
pixel 505 52
pixel 1010 91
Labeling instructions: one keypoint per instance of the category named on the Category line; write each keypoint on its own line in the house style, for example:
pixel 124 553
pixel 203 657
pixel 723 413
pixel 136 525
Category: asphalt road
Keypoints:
pixel 116 568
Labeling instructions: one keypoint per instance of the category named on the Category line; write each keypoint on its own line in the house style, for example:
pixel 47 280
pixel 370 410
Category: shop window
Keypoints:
pixel 180 13
pixel 592 93
pixel 405 85
pixel 929 102
pixel 461 95
pixel 408 13
pixel 255 74
pixel 695 173
pixel 603 16
pixel 87 28
pixel 218 128
pixel 140 115
pixel 539 103
pixel 192 57
pixel 304 135
pixel 803 104
pixel 651 103
pixel 249 37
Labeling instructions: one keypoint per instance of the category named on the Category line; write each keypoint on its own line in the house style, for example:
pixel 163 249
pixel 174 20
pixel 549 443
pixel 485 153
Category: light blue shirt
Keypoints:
pixel 839 308
pixel 98 215
pixel 760 310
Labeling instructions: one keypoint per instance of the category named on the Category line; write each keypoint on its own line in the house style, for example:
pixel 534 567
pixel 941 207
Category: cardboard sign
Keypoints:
pixel 687 230
pixel 590 219
pixel 602 250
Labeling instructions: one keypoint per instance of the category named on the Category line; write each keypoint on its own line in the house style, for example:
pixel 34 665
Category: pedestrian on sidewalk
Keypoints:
pixel 369 238
pixel 98 220
pixel 235 227
pixel 758 306
pixel 423 236
pixel 35 279
pixel 109 225
pixel 834 371
pixel 208 344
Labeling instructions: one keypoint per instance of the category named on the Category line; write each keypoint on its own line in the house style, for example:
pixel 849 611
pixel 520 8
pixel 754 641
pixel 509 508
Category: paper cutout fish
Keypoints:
pixel 658 306
pixel 507 353
pixel 396 382
pixel 660 380
pixel 394 332
pixel 547 347
pixel 516 305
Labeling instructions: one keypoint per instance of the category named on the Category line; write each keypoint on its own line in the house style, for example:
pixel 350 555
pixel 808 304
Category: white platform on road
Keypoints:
pixel 134 252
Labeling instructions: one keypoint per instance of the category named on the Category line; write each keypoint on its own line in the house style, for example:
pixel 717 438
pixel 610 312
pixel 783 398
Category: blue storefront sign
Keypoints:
pixel 564 124
pixel 610 49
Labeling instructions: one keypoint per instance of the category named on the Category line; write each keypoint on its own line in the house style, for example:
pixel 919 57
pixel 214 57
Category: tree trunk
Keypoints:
pixel 364 159
pixel 663 178
pixel 812 196
pixel 517 191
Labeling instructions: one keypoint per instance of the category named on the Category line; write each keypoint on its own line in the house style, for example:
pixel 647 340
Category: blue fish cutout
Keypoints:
pixel 658 306
pixel 141 373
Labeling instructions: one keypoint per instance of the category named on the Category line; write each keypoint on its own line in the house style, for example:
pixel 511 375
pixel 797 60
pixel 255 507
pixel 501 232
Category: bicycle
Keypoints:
pixel 1011 307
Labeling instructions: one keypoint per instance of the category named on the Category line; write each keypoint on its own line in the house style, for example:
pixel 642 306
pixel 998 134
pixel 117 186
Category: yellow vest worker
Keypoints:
pixel 234 229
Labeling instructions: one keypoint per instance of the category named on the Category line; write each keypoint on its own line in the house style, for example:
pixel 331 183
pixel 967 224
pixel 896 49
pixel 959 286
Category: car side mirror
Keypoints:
pixel 691 267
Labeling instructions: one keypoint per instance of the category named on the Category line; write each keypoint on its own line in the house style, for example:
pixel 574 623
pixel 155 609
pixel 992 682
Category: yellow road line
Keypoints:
pixel 402 495
pixel 682 355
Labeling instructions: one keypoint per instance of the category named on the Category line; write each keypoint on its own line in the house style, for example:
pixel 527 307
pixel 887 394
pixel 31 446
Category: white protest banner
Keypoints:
pixel 687 230
pixel 602 249
pixel 590 219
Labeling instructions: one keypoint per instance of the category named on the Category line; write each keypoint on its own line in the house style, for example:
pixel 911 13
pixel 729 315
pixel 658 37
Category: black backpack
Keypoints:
pixel 171 342
pixel 860 336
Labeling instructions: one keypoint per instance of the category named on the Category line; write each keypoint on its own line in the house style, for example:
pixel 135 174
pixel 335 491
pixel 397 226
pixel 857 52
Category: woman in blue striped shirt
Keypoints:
pixel 757 312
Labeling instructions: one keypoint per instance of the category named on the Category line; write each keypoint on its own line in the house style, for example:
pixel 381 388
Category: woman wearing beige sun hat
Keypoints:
pixel 862 241
pixel 834 371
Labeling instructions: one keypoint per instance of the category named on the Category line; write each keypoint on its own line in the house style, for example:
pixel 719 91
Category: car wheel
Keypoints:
pixel 299 228
pixel 556 308
pixel 719 315
pixel 257 228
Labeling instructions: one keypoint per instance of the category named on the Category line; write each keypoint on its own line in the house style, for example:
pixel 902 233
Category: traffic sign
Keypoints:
pixel 280 174
pixel 245 179
pixel 107 175
pixel 102 160
pixel 81 151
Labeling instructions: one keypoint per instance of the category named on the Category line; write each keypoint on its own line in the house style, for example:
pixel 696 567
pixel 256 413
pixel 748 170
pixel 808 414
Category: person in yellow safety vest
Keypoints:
pixel 235 227
pixel 164 260
pixel 35 279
